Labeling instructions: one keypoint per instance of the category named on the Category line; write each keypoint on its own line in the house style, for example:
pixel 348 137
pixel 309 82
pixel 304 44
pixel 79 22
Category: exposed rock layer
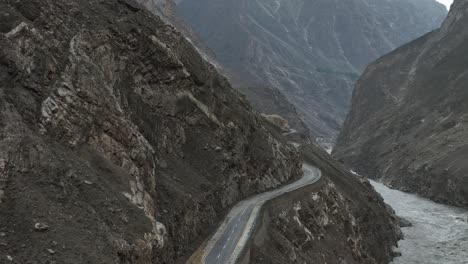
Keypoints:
pixel 117 136
pixel 313 51
pixel 409 117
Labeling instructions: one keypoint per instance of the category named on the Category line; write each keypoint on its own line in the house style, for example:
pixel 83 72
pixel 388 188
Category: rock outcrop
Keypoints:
pixel 118 142
pixel 313 51
pixel 409 117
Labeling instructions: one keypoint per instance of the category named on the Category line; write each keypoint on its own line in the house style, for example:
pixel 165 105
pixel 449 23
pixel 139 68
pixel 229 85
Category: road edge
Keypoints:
pixel 244 255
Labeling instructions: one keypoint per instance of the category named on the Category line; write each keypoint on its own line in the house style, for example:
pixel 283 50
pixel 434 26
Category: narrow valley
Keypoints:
pixel 203 132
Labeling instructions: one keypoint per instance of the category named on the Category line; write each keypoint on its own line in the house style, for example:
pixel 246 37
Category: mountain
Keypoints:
pixel 267 100
pixel 119 143
pixel 313 51
pixel 408 121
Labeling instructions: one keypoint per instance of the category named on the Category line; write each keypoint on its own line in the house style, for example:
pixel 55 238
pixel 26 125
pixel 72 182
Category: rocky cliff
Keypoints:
pixel 118 142
pixel 313 51
pixel 409 117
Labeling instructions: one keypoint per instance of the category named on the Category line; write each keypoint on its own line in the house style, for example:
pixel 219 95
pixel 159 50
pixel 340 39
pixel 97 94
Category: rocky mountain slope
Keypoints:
pixel 270 101
pixel 409 117
pixel 341 221
pixel 118 143
pixel 165 9
pixel 266 100
pixel 313 51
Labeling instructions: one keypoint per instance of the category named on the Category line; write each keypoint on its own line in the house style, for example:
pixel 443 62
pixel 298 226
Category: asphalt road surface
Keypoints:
pixel 229 240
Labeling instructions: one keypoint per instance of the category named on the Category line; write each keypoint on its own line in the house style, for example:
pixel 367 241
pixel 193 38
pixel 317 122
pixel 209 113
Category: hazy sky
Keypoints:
pixel 446 2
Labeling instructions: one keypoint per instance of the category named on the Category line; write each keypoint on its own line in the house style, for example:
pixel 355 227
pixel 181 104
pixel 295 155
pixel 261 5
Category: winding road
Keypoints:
pixel 227 243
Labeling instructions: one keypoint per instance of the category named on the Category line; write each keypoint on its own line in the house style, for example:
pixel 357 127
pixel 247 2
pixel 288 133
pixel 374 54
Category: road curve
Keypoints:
pixel 231 237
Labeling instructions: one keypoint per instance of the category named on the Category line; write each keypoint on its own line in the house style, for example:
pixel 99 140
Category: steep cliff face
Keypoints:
pixel 118 143
pixel 343 220
pixel 409 116
pixel 313 51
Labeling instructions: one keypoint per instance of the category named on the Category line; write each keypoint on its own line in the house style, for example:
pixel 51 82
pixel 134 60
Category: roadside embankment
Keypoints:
pixel 339 219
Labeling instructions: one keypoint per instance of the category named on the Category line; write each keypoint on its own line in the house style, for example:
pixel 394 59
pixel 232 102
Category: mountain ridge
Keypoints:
pixel 313 51
pixel 406 126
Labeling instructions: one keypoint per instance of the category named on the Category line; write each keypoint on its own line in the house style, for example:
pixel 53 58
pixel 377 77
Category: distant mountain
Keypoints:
pixel 313 51
pixel 409 116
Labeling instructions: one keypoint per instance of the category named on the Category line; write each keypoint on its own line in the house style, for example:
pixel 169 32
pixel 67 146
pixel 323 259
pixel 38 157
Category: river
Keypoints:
pixel 439 234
